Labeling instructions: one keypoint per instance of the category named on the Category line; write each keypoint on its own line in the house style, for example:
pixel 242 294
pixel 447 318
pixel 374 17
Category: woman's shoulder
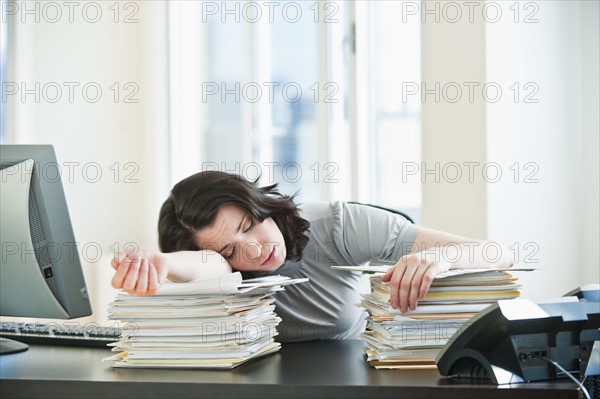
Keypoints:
pixel 321 210
pixel 324 209
pixel 341 217
pixel 328 217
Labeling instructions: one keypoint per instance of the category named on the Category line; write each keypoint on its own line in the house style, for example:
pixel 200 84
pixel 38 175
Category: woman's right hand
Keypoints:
pixel 139 272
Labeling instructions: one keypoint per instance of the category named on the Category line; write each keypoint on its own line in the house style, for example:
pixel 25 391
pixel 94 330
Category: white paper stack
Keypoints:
pixel 413 339
pixel 214 323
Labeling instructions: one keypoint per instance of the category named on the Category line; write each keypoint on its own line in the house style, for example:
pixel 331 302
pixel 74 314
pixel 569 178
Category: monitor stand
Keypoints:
pixel 8 346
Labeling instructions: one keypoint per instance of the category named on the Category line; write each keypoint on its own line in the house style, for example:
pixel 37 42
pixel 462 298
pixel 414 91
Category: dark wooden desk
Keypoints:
pixel 303 370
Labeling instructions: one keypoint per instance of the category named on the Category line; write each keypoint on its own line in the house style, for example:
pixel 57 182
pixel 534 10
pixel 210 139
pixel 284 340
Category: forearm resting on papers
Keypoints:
pixel 457 252
pixel 195 265
pixel 469 255
pixel 142 272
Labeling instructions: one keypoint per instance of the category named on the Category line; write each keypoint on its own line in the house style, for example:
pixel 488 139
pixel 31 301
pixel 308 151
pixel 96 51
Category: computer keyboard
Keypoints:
pixel 60 333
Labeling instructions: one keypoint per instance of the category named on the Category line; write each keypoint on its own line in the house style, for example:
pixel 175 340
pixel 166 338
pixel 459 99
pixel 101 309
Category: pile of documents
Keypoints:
pixel 413 339
pixel 214 323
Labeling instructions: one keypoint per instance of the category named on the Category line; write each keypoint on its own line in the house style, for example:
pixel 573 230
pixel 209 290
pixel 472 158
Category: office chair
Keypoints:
pixel 385 209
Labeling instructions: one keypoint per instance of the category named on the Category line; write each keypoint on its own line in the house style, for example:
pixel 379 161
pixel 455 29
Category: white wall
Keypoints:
pixel 113 208
pixel 590 144
pixel 104 132
pixel 553 218
pixel 547 214
pixel 453 125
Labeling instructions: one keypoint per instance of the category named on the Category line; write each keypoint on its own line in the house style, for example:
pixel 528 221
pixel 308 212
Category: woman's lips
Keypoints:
pixel 270 258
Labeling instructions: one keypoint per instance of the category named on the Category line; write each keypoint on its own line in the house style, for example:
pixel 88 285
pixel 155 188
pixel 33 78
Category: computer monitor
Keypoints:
pixel 40 270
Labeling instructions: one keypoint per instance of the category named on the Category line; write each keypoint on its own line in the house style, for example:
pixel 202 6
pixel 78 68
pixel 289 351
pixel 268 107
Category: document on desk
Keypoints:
pixel 449 273
pixel 217 323
pixel 190 359
pixel 230 283
pixel 413 339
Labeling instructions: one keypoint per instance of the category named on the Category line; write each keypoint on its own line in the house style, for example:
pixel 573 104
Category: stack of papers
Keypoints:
pixel 413 339
pixel 214 323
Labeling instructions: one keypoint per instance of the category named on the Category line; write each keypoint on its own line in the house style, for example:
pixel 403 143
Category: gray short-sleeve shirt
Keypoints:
pixel 339 234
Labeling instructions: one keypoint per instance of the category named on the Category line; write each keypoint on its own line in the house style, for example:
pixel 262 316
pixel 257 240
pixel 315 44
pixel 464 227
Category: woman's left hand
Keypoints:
pixel 410 279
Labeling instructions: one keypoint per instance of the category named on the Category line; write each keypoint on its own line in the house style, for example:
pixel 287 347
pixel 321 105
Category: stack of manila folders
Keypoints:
pixel 220 323
pixel 412 340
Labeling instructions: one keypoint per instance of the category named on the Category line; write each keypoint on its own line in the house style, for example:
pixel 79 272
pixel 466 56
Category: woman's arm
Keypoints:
pixel 460 252
pixel 435 252
pixel 142 272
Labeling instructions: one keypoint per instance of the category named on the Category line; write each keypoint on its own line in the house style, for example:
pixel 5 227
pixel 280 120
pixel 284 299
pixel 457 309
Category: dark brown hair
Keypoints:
pixel 194 202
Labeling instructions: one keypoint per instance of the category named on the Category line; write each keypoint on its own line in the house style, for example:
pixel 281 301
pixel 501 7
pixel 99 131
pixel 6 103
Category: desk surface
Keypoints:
pixel 301 370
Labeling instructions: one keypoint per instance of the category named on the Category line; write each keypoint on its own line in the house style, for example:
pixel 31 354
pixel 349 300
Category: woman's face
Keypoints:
pixel 246 244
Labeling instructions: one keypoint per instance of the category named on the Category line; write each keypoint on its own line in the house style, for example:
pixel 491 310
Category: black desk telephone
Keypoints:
pixel 520 340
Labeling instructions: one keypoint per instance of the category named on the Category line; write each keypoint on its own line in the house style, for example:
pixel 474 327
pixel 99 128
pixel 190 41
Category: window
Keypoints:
pixel 395 117
pixel 304 93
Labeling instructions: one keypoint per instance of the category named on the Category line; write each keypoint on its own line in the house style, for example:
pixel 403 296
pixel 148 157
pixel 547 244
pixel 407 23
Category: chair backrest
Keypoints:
pixel 385 209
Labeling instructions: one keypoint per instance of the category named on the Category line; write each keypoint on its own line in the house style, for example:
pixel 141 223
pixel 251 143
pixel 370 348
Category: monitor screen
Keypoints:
pixel 40 270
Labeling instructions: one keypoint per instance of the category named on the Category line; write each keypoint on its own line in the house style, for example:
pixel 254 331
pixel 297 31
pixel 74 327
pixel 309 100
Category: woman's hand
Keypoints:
pixel 139 272
pixel 410 279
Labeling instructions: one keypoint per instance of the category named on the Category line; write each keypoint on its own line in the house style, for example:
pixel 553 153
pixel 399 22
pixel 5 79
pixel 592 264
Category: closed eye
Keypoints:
pixel 231 255
pixel 250 227
pixel 233 250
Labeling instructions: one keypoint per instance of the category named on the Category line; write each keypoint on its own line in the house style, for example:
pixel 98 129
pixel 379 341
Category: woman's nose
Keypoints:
pixel 253 250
